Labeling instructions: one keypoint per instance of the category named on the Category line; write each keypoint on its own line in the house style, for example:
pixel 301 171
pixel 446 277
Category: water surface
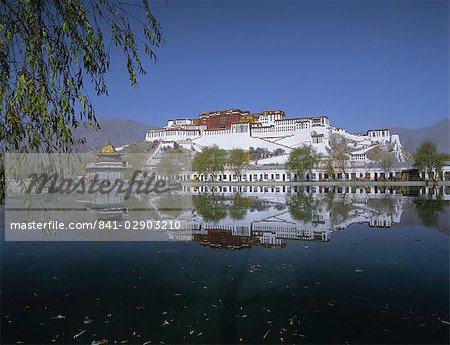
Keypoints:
pixel 381 276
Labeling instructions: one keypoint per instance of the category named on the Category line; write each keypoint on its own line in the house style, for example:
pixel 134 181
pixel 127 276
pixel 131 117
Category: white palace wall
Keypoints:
pixel 285 134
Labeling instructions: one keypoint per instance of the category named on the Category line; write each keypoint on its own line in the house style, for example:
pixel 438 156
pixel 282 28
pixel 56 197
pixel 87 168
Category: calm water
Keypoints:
pixel 380 275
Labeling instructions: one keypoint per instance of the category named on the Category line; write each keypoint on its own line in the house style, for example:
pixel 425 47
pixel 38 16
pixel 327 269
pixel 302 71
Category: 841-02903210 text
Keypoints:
pixel 140 225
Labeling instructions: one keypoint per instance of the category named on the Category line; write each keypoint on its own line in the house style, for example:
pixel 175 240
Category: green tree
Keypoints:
pixel 427 158
pixel 51 53
pixel 237 160
pixel 302 160
pixel 211 160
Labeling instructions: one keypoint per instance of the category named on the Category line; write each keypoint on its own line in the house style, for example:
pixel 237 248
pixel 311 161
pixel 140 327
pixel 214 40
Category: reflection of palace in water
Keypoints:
pixel 349 190
pixel 109 165
pixel 278 218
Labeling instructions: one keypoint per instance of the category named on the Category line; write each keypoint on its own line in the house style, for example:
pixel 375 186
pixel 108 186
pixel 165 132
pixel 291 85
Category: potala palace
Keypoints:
pixel 270 130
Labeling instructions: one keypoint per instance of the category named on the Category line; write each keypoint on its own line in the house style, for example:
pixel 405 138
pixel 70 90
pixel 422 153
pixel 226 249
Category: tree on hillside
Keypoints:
pixel 279 152
pixel 329 169
pixel 339 151
pixel 427 158
pixel 237 160
pixel 169 165
pixel 211 160
pixel 51 53
pixel 258 153
pixel 382 157
pixel 302 160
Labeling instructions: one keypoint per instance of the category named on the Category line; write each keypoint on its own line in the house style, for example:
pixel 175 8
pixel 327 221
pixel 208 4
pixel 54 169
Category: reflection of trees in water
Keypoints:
pixel 338 207
pixel 211 207
pixel 239 207
pixel 302 206
pixel 307 207
pixel 259 205
pixel 140 209
pixel 173 204
pixel 384 205
pixel 429 208
pixel 157 207
pixel 215 207
pixel 280 207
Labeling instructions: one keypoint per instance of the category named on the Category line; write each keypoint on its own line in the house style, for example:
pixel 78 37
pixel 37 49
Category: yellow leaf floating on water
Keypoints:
pixel 87 320
pixel 299 335
pixel 78 334
pixel 100 342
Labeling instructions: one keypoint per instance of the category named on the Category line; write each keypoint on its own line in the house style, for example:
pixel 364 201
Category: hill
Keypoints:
pixel 438 133
pixel 119 131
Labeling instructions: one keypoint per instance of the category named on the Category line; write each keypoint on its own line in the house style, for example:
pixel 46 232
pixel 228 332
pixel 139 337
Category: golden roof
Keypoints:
pixel 108 148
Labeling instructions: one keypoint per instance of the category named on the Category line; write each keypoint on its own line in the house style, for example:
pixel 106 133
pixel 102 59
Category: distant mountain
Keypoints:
pixel 119 131
pixel 438 133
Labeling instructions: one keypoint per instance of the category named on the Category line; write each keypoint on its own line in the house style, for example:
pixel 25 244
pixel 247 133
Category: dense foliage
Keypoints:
pixel 237 159
pixel 428 158
pixel 302 160
pixel 52 52
pixel 211 160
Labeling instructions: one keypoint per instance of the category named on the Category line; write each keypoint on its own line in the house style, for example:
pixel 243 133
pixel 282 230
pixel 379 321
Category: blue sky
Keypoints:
pixel 365 64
